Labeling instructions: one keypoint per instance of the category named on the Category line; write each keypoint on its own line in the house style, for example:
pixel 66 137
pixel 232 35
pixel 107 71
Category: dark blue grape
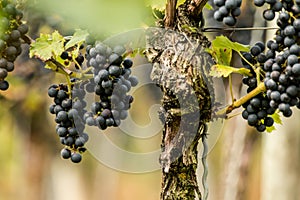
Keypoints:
pixel 218 16
pixel 245 114
pixel 127 63
pixel 230 4
pixel 62 131
pixel 90 121
pixel 261 128
pixel 255 50
pixel 259 3
pixel 229 21
pixel 289 30
pixel 69 141
pixel 109 122
pixel 114 70
pixel 76 157
pixel 65 153
pixel 275 95
pixel 252 119
pixel 296 69
pixel 115 59
pixel 133 80
pixel 219 3
pixel 292 91
pixel 79 142
pixel 269 121
pixel 269 14
pixel 61 116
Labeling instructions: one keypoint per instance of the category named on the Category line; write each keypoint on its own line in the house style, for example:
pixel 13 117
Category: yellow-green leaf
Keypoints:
pixel 47 46
pixel 180 2
pixel 225 70
pixel 208 6
pixel 221 55
pixel 224 42
pixel 158 14
pixel 277 120
pixel 77 39
pixel 270 129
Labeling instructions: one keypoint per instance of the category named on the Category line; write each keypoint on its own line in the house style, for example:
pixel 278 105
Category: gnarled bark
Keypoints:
pixel 180 68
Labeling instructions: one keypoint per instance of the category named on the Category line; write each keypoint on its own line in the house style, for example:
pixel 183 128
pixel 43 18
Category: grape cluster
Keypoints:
pixel 257 110
pixel 278 64
pixel 69 111
pixel 112 81
pixel 227 11
pixel 12 29
pixel 282 69
pixel 273 7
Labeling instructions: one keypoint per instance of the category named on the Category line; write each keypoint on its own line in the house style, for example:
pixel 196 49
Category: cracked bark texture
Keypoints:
pixel 180 69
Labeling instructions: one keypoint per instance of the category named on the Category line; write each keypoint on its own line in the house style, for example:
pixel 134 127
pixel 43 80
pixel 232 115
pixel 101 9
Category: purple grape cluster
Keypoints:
pixel 257 111
pixel 227 11
pixel 12 29
pixel 112 81
pixel 279 65
pixel 68 113
pixel 275 6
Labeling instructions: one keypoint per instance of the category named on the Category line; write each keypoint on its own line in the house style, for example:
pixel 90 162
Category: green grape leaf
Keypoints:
pixel 47 46
pixel 158 14
pixel 277 120
pixel 224 42
pixel 208 6
pixel 270 129
pixel 225 70
pixel 180 2
pixel 77 39
pixel 221 55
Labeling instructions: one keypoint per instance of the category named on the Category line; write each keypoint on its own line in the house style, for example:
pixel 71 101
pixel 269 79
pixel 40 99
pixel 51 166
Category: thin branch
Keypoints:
pixel 219 29
pixel 61 68
pixel 259 89
pixel 170 13
pixel 231 89
pixel 195 6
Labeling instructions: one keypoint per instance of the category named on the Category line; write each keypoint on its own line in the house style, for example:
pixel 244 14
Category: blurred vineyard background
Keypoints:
pixel 243 164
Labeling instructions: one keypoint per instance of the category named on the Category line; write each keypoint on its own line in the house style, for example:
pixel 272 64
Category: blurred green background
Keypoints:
pixel 243 164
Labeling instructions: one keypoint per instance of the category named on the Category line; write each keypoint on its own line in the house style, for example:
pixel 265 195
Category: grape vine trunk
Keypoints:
pixel 180 67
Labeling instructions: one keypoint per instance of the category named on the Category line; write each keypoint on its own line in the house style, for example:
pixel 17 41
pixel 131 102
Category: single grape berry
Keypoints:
pixel 229 21
pixel 269 14
pixel 252 119
pixel 23 29
pixel 76 157
pixel 219 3
pixel 65 153
pixel 15 35
pixel 4 85
pixel 64 55
pixel 259 3
pixel 3 73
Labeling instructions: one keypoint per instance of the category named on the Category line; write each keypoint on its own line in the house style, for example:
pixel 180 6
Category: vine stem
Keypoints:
pixel 231 90
pixel 259 89
pixel 218 29
pixel 170 13
pixel 204 163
